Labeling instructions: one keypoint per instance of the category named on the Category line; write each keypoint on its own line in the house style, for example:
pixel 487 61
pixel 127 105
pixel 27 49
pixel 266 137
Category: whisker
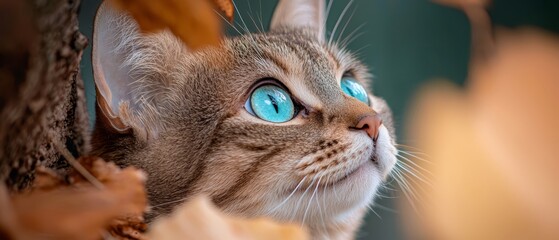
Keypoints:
pixel 402 181
pixel 310 201
pixel 413 155
pixel 418 185
pixel 413 192
pixel 346 40
pixel 389 182
pixel 407 141
pixel 373 210
pixel 240 16
pixel 414 164
pixel 384 208
pixel 406 169
pixel 324 24
pixel 357 52
pixel 324 195
pixel 385 196
pixel 410 201
pixel 412 149
pixel 290 195
pixel 252 37
pixel 260 16
pixel 338 22
pixel 227 21
pixel 386 186
pixel 334 224
pixel 345 25
pixel 335 191
pixel 300 199
pixel 323 205
pixel 408 146
pixel 251 18
pixel 414 172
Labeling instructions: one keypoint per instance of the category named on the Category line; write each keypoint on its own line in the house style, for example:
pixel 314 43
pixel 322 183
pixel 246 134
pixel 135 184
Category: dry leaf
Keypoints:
pixel 46 179
pixel 194 22
pixel 227 7
pixel 57 210
pixel 130 228
pixel 198 219
pixel 493 148
pixel 9 228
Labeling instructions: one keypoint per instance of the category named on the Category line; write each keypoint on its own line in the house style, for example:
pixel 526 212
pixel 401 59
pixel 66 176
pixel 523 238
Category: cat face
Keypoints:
pixel 274 124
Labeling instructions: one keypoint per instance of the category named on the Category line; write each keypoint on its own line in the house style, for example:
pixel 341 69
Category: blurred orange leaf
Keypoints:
pixel 56 210
pixel 199 219
pixel 493 148
pixel 194 21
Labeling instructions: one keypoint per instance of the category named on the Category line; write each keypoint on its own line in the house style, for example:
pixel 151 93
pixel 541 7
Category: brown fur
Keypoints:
pixel 187 128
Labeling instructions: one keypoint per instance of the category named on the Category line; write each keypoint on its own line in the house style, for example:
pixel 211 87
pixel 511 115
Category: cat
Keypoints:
pixel 277 124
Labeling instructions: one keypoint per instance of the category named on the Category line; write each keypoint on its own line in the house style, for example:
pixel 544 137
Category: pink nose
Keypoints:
pixel 370 124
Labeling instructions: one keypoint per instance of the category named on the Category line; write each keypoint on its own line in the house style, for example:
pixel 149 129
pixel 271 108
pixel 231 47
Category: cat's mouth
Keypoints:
pixel 373 159
pixel 344 178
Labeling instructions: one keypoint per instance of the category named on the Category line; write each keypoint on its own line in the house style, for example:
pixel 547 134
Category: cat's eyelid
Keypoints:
pixel 300 104
pixel 348 73
pixel 357 76
pixel 265 81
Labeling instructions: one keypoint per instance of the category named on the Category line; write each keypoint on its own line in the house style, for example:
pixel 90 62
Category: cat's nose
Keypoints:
pixel 369 124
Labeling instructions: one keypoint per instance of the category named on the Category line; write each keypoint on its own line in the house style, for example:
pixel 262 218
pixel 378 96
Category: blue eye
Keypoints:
pixel 354 89
pixel 271 103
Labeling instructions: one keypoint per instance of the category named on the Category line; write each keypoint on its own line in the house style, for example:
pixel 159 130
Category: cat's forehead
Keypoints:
pixel 297 60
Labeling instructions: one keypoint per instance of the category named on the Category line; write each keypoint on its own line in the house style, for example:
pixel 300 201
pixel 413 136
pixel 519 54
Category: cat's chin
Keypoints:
pixel 355 190
pixel 332 202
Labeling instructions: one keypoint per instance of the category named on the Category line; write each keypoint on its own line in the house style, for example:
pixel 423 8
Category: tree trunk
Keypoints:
pixel 41 93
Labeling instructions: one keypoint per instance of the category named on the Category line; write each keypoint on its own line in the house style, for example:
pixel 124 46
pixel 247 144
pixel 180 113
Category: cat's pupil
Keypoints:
pixel 274 102
pixel 350 92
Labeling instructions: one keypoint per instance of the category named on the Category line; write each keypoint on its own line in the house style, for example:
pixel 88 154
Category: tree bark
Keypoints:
pixel 41 93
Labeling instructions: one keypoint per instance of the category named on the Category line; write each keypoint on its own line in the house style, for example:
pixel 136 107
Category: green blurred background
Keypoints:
pixel 404 42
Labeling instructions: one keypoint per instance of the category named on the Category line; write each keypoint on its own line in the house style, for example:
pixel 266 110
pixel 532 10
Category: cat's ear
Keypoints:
pixel 300 14
pixel 117 54
pixel 111 81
